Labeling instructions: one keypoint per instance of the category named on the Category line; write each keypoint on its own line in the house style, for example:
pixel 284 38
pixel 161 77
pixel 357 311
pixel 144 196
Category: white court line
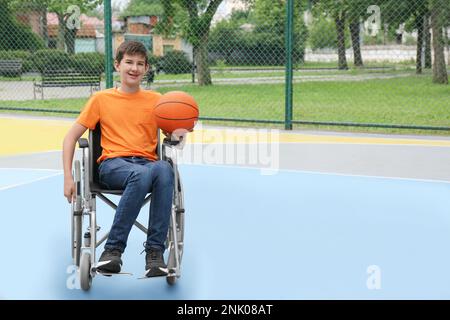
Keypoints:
pixel 29 182
pixel 318 172
pixel 33 169
pixel 28 153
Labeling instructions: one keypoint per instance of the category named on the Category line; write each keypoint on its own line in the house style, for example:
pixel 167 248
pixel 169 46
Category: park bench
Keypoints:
pixel 11 67
pixel 65 78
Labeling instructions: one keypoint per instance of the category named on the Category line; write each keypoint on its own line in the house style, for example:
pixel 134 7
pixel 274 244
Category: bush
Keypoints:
pixel 323 35
pixel 410 40
pixel 154 61
pixel 88 62
pixel 51 59
pixel 25 56
pixel 378 39
pixel 15 35
pixel 262 46
pixel 175 62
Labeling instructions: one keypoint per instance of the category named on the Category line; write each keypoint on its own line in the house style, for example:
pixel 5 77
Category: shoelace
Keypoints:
pixel 153 254
pixel 144 247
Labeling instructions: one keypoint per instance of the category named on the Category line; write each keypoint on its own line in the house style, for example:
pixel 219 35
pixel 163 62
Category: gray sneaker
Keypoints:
pixel 155 265
pixel 110 261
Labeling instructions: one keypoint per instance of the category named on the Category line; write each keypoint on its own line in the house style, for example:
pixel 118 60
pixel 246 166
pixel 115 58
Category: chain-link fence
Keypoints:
pixel 293 63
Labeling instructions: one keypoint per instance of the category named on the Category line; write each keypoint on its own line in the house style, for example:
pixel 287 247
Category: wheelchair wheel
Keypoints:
pixel 76 238
pixel 85 271
pixel 171 280
pixel 76 216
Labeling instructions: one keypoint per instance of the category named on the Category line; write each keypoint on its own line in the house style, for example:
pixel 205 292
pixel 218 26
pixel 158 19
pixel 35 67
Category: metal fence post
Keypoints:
pixel 108 45
pixel 288 41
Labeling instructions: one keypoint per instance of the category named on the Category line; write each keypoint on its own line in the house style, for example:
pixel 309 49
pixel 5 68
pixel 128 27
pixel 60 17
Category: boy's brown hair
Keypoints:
pixel 131 48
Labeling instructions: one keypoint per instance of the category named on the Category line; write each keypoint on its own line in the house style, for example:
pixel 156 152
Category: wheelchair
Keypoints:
pixel 88 189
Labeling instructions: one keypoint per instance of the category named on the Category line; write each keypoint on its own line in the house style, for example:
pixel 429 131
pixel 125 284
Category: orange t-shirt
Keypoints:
pixel 126 120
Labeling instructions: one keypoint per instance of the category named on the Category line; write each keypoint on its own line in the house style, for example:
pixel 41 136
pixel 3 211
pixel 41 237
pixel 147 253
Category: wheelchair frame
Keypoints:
pixel 84 206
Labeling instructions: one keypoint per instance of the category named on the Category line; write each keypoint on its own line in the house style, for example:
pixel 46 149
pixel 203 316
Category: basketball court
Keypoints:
pixel 314 216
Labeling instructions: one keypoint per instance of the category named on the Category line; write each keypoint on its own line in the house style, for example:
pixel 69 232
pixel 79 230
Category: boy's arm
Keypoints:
pixel 70 140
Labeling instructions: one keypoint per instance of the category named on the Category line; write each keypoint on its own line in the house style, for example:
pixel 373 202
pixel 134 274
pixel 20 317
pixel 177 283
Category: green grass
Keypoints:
pixel 270 73
pixel 412 100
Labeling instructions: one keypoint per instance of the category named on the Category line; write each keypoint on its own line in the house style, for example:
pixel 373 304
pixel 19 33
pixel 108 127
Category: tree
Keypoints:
pixel 336 10
pixel 143 8
pixel 249 38
pixel 15 35
pixel 36 5
pixel 439 9
pixel 415 15
pixel 270 32
pixel 357 9
pixel 422 26
pixel 196 29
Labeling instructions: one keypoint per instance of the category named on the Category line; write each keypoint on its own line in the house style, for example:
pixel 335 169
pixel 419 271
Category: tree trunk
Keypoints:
pixel 339 20
pixel 202 63
pixel 427 36
pixel 420 46
pixel 69 37
pixel 356 44
pixel 61 33
pixel 439 67
pixel 447 33
pixel 44 26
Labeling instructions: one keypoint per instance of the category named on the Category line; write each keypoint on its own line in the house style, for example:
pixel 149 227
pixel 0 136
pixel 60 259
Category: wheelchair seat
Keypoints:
pixel 95 151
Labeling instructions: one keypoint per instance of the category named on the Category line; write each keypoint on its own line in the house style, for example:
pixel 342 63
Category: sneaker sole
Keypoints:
pixel 156 272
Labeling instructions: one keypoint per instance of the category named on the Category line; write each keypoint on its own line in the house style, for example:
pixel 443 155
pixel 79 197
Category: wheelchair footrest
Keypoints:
pixel 109 274
pixel 145 277
pixel 168 275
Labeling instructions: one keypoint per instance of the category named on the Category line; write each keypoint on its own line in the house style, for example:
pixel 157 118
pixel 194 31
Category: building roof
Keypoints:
pixel 52 18
pixel 86 31
pixel 89 25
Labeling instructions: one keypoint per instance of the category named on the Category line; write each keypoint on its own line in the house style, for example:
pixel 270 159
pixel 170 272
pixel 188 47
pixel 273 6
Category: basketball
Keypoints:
pixel 176 110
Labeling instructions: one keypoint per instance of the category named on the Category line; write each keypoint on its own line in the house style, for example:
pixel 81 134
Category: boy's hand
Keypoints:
pixel 69 189
pixel 179 136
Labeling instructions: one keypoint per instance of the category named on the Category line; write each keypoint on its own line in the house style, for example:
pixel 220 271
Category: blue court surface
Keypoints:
pixel 291 235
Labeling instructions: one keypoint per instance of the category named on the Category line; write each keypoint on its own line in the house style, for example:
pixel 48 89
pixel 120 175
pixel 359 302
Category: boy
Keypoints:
pixel 128 160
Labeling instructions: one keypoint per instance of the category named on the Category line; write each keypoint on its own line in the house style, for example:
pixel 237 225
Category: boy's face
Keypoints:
pixel 132 69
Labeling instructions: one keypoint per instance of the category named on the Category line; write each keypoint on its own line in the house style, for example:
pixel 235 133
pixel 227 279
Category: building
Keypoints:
pixel 141 28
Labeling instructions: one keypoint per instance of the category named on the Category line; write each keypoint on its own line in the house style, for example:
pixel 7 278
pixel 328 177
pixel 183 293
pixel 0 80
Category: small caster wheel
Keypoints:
pixel 171 280
pixel 85 271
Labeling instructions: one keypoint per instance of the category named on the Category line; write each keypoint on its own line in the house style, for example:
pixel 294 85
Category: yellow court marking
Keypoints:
pixel 21 136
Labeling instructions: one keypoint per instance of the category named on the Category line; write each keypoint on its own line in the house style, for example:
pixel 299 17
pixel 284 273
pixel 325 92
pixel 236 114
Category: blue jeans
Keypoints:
pixel 137 177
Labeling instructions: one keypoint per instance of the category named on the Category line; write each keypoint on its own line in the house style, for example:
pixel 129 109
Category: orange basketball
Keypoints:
pixel 176 110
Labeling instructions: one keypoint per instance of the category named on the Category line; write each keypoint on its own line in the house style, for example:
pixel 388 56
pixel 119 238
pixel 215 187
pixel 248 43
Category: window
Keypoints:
pixel 167 48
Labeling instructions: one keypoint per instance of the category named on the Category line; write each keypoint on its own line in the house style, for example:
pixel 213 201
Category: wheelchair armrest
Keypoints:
pixel 171 142
pixel 83 143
